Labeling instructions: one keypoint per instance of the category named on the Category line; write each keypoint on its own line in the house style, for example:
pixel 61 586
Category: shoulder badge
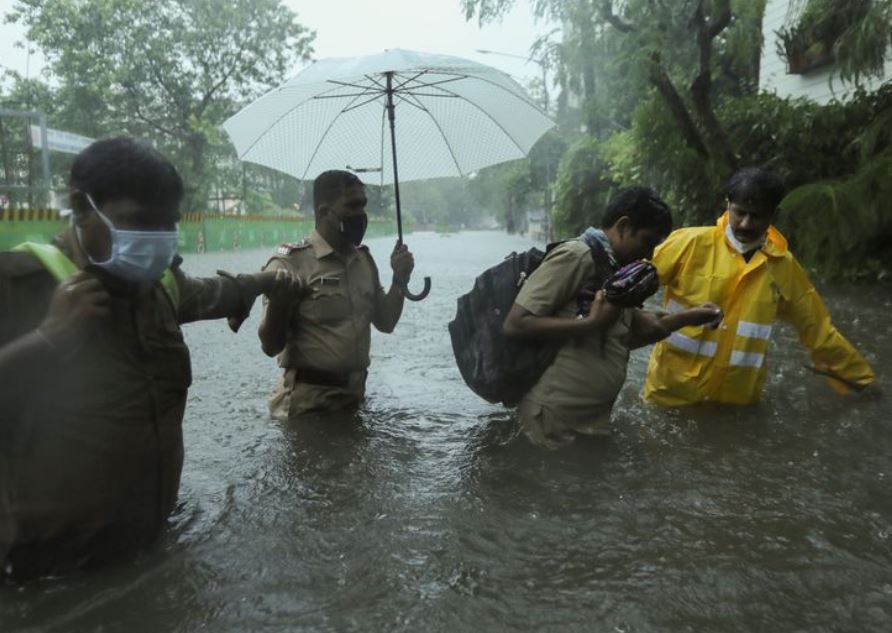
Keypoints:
pixel 290 247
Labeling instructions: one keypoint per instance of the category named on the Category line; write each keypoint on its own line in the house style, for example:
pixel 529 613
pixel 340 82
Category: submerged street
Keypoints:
pixel 429 513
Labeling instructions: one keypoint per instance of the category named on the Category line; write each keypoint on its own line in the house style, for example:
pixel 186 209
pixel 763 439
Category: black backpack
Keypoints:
pixel 494 367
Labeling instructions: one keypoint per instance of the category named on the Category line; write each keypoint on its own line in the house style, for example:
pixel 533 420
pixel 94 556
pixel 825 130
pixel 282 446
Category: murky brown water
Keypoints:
pixel 429 514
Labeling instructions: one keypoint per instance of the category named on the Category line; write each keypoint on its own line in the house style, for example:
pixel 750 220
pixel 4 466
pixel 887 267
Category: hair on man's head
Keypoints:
pixel 643 207
pixel 756 187
pixel 331 184
pixel 122 167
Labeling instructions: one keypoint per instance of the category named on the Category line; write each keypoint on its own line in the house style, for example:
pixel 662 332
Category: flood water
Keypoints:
pixel 429 513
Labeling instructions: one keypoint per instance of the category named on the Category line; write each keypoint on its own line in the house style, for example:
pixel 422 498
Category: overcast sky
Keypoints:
pixel 357 27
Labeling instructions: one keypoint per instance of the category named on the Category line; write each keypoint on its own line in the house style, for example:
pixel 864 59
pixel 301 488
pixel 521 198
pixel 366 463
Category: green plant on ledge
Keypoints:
pixel 813 40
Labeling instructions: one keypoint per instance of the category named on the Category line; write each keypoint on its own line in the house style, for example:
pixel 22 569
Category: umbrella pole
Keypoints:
pixel 391 117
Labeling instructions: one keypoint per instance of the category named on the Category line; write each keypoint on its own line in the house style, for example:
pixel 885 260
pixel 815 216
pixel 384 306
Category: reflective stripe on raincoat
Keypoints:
pixel 696 364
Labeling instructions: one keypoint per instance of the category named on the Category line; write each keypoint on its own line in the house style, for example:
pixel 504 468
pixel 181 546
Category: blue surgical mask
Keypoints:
pixel 136 255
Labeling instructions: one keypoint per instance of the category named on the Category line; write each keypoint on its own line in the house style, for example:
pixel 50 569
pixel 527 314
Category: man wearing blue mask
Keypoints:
pixel 93 367
pixel 322 336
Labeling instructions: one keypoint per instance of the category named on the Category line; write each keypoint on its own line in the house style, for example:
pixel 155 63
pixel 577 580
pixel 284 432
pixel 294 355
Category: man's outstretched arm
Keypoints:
pixel 650 327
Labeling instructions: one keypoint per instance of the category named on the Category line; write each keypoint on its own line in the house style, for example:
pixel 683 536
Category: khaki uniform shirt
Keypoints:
pixel 329 330
pixel 91 444
pixel 577 391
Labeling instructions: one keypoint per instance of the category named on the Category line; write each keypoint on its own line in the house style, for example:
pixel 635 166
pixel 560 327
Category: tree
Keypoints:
pixel 614 53
pixel 167 70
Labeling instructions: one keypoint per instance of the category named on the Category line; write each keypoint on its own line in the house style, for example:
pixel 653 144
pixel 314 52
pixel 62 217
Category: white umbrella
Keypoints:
pixel 455 116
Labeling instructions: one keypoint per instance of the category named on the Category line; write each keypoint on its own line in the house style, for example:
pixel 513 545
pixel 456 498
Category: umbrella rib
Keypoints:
pixel 350 84
pixel 322 138
pixel 457 76
pixel 341 96
pixel 431 83
pixel 376 81
pixel 411 79
pixel 283 115
pixel 429 94
pixel 433 119
pixel 359 105
pixel 403 99
pixel 491 118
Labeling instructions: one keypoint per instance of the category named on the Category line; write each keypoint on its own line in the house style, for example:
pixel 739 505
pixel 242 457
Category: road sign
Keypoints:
pixel 59 141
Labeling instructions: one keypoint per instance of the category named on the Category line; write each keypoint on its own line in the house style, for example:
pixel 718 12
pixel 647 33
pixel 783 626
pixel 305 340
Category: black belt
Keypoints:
pixel 321 377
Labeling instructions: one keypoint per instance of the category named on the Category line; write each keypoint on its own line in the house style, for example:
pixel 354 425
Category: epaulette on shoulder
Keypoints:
pixel 290 247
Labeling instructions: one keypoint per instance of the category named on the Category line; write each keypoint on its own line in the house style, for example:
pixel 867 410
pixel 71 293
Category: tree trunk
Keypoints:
pixel 677 107
pixel 701 88
pixel 196 189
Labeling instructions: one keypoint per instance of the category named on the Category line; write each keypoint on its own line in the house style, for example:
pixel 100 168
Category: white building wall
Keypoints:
pixel 821 85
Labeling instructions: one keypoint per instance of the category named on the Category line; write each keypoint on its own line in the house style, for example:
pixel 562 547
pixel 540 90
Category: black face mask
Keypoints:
pixel 353 228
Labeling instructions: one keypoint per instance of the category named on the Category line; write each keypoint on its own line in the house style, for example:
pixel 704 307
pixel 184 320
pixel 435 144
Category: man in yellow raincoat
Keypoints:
pixel 743 265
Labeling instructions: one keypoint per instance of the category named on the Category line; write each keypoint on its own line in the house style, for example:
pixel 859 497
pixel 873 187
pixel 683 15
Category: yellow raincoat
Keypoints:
pixel 698 364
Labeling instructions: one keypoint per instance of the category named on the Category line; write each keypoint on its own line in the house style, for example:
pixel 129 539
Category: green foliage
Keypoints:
pixel 854 33
pixel 843 228
pixel 441 201
pixel 653 153
pixel 583 188
pixel 843 148
pixel 169 70
pixel 260 202
pixel 861 49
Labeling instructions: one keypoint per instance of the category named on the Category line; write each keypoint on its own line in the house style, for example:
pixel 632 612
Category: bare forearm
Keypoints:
pixel 392 310
pixel 649 328
pixel 273 329
pixel 549 328
pixel 672 322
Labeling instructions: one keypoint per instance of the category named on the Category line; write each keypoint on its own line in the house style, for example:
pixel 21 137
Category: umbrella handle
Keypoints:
pixel 404 287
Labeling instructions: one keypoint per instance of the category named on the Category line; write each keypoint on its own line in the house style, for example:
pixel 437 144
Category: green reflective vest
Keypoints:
pixel 60 267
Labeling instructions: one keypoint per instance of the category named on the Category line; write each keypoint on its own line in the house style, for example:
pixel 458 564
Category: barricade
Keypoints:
pixel 199 233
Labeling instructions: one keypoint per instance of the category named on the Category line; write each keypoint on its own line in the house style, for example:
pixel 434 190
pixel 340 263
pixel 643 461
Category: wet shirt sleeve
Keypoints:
pixel 204 298
pixel 830 351
pixel 557 281
pixel 668 256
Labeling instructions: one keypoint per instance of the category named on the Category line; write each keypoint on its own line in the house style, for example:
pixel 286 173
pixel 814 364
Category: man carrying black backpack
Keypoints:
pixel 575 394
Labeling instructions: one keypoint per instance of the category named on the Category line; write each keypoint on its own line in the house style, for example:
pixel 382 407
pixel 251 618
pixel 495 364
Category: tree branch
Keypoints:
pixel 677 107
pixel 145 119
pixel 701 88
pixel 613 19
pixel 213 89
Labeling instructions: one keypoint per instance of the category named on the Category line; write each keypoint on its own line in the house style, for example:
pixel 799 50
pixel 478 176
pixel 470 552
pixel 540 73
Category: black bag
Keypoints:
pixel 494 367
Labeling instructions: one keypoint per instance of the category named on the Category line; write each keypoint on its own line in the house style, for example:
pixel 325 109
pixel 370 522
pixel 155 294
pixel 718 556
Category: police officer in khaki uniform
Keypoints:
pixel 321 335
pixel 575 394
pixel 93 367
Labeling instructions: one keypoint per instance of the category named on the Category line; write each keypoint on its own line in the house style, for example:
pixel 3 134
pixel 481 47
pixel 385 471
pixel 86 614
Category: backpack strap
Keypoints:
pixel 51 257
pixel 170 286
pixel 61 267
pixel 603 264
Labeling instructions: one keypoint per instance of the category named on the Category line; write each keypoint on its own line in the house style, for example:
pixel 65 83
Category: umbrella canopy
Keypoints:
pixel 453 116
